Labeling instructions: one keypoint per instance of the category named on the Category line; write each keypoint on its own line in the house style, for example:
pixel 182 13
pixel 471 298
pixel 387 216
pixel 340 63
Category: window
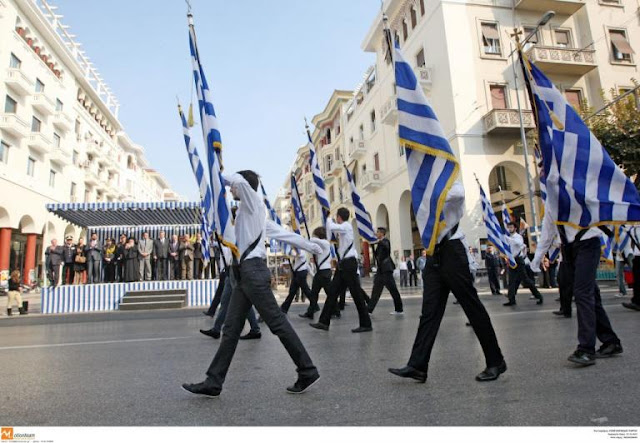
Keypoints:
pixel 52 178
pixel 87 194
pixel 337 155
pixel 72 193
pixel 421 7
pixel 498 96
pixel 501 175
pixel 620 46
pixel 535 38
pixel 373 120
pixel 414 18
pixel 328 136
pixel 4 152
pixel 405 32
pixel 77 128
pixel 36 124
pixel 10 105
pixel 401 150
pixel 574 97
pixel 376 162
pixel 31 167
pixel 331 194
pixel 361 132
pixel 74 157
pixel 14 62
pixel 59 105
pixel 563 38
pixel 328 163
pixel 39 85
pixel 420 62
pixel 56 140
pixel 491 39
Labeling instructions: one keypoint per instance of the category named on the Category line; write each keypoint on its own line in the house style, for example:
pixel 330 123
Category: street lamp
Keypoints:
pixel 516 33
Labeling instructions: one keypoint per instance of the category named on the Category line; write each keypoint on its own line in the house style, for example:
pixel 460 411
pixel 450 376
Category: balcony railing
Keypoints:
pixel 357 149
pixel 18 81
pixel 43 103
pixel 424 76
pixel 62 121
pixel 39 142
pixel 555 60
pixel 14 125
pixel 506 121
pixel 390 111
pixel 60 156
pixel 561 7
pixel 371 180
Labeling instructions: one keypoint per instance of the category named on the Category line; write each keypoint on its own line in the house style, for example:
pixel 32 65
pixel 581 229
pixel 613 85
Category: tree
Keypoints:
pixel 617 127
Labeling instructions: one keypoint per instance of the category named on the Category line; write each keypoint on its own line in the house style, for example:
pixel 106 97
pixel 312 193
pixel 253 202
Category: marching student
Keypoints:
pixel 224 264
pixel 346 276
pixel 322 278
pixel 384 274
pixel 300 270
pixel 580 259
pixel 253 288
pixel 448 271
pixel 519 274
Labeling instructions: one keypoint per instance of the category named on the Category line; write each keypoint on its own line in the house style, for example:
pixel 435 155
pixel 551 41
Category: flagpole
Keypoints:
pixel 325 211
pixel 304 217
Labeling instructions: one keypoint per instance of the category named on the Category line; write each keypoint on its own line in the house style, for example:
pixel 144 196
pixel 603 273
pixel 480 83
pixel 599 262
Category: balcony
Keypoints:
pixel 561 7
pixel 424 76
pixel 357 150
pixel 553 60
pixel 62 121
pixel 371 181
pixel 93 148
pixel 309 196
pixel 39 142
pixel 60 157
pixel 390 112
pixel 18 82
pixel 43 103
pixel 91 176
pixel 506 121
pixel 13 125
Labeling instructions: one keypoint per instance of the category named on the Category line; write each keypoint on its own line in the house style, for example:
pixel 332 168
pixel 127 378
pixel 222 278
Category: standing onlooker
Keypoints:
pixel 413 271
pixel 13 295
pixel 473 264
pixel 186 258
pixel 54 258
pixel 174 258
pixel 404 272
pixel 131 261
pixel 421 263
pixel 80 263
pixel 69 257
pixel 145 249
pixel 110 261
pixel 161 254
pixel 492 263
pixel 120 249
pixel 623 258
pixel 198 258
pixel 93 253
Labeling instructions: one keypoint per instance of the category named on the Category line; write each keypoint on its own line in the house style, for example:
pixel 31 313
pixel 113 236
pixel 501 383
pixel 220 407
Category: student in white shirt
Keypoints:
pixel 519 274
pixel 322 278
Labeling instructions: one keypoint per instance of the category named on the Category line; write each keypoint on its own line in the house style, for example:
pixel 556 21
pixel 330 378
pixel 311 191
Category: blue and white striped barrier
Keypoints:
pixel 107 296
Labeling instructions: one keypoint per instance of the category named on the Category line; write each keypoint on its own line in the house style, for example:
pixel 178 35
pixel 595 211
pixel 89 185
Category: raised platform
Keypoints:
pixel 108 296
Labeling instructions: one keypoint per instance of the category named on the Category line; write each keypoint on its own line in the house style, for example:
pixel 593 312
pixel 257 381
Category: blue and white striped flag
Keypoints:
pixel 496 234
pixel 432 166
pixel 584 187
pixel 222 214
pixel 506 216
pixel 275 245
pixel 321 192
pixel 606 243
pixel 297 216
pixel 203 184
pixel 363 219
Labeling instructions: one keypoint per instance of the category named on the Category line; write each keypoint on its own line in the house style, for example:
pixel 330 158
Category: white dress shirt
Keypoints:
pixel 228 258
pixel 277 232
pixel 344 231
pixel 516 244
pixel 453 211
pixel 324 258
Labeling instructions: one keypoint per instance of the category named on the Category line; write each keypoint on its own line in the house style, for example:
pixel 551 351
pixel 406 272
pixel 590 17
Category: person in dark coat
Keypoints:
pixel 384 274
pixel 68 256
pixel 492 263
pixel 131 262
pixel 54 258
pixel 198 258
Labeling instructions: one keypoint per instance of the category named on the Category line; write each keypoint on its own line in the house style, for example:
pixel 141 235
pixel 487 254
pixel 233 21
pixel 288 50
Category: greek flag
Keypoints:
pixel 275 245
pixel 554 253
pixel 496 234
pixel 506 216
pixel 203 184
pixel 622 238
pixel 321 193
pixel 363 219
pixel 432 166
pixel 584 187
pixel 222 215
pixel 297 217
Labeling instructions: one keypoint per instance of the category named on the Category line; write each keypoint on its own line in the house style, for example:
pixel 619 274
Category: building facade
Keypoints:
pixel 460 50
pixel 60 138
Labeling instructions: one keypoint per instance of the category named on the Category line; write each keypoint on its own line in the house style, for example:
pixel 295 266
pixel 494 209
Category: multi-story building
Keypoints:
pixel 460 51
pixel 60 138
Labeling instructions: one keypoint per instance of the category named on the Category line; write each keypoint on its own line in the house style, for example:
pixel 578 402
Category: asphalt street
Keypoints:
pixel 126 370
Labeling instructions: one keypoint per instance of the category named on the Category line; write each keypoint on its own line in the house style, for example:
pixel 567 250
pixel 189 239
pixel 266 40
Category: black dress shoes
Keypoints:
pixel 492 373
pixel 409 372
pixel 251 335
pixel 362 329
pixel 582 358
pixel 203 389
pixel 306 315
pixel 539 302
pixel 509 303
pixel 319 325
pixel 303 384
pixel 609 350
pixel 207 313
pixel 210 333
pixel 561 312
pixel 631 305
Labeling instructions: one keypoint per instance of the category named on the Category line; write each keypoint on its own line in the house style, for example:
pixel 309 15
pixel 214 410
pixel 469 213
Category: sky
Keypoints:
pixel 269 64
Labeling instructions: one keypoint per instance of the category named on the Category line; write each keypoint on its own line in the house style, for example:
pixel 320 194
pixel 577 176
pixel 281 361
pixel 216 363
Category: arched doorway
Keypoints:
pixel 26 247
pixel 411 241
pixel 382 218
pixel 70 230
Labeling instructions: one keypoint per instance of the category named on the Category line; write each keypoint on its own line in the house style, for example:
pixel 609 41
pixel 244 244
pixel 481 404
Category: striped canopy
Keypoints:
pixel 92 215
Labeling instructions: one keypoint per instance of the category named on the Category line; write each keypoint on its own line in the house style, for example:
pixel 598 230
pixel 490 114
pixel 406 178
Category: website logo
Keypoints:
pixel 6 434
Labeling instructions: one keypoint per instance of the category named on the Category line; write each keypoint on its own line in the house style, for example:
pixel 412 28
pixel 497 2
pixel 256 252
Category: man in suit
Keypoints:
pixel 186 258
pixel 174 258
pixel 54 259
pixel 145 250
pixel 384 274
pixel 492 263
pixel 161 255
pixel 68 257
pixel 120 261
pixel 93 252
pixel 198 258
pixel 413 271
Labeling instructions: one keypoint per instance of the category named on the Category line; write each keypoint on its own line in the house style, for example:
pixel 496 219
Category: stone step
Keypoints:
pixel 158 292
pixel 137 306
pixel 151 298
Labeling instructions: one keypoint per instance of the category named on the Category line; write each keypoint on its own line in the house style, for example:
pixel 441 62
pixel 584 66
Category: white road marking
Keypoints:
pixel 61 345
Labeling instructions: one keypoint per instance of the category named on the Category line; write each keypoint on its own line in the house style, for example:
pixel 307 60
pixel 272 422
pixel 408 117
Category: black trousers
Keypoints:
pixel 520 275
pixel 494 281
pixel 161 268
pixel 385 280
pixel 448 271
pixel 322 280
pixel 413 278
pixel 254 288
pixel 346 276
pixel 565 287
pixel 217 297
pixel 582 259
pixel 636 281
pixel 198 265
pixel 299 281
pixel 67 274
